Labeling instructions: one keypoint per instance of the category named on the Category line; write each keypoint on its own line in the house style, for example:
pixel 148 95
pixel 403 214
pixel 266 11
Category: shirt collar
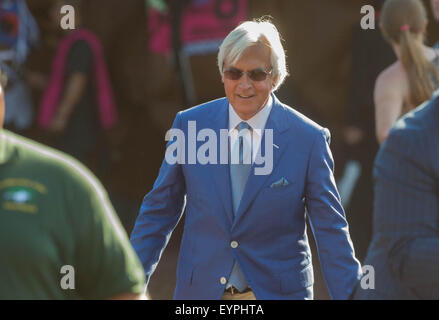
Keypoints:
pixel 258 121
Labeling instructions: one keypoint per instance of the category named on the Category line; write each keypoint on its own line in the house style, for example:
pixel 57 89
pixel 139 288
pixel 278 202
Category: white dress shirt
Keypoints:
pixel 252 141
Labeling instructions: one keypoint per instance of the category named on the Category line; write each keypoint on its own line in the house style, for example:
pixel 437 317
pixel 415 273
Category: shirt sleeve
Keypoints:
pixel 105 263
pixel 80 58
pixel 328 222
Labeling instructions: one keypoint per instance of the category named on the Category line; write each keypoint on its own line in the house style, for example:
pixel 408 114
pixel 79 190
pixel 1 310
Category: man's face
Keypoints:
pixel 435 8
pixel 248 96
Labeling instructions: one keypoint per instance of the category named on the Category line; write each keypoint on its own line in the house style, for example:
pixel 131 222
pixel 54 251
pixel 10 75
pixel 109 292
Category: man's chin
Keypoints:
pixel 246 113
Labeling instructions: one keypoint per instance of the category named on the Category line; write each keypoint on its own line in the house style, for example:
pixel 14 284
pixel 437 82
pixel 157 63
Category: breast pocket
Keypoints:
pixel 280 190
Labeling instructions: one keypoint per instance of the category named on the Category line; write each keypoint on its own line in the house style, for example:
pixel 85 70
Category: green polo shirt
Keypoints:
pixel 59 235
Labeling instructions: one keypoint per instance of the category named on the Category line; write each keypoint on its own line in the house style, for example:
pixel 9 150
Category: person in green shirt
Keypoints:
pixel 59 235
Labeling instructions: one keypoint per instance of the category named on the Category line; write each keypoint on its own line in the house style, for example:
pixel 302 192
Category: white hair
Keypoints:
pixel 248 34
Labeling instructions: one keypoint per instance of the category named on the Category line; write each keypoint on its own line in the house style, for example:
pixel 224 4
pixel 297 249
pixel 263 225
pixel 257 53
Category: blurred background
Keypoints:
pixel 161 58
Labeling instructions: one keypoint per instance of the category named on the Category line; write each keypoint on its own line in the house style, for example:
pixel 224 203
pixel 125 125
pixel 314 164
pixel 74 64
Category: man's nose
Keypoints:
pixel 245 81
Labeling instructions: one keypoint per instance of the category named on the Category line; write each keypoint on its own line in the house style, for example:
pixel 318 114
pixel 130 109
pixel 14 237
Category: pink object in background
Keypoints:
pixel 52 94
pixel 208 20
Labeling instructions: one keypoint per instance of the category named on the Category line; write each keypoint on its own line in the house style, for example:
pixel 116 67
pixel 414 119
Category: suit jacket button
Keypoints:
pixel 234 244
pixel 223 280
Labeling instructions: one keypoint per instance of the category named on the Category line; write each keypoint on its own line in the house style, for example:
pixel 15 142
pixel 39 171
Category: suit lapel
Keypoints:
pixel 221 172
pixel 277 122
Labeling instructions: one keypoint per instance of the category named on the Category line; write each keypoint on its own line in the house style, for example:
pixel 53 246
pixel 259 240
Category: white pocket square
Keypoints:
pixel 280 183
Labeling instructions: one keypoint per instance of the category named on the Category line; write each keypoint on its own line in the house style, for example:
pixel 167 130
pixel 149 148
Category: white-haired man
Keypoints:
pixel 245 231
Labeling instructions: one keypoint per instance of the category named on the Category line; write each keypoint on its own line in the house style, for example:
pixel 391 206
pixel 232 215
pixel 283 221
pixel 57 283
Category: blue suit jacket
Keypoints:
pixel 269 225
pixel 405 245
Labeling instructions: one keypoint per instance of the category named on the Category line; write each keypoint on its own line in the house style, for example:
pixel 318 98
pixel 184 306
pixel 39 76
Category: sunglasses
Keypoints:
pixel 255 75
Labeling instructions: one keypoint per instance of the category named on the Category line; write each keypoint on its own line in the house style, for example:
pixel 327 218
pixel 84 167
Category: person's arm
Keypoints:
pixel 407 204
pixel 159 214
pixel 74 90
pixel 328 223
pixel 388 99
pixel 79 67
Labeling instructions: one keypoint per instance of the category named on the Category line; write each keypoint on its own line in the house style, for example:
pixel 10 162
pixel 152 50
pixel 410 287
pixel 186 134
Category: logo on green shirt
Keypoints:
pixel 19 198
pixel 19 195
